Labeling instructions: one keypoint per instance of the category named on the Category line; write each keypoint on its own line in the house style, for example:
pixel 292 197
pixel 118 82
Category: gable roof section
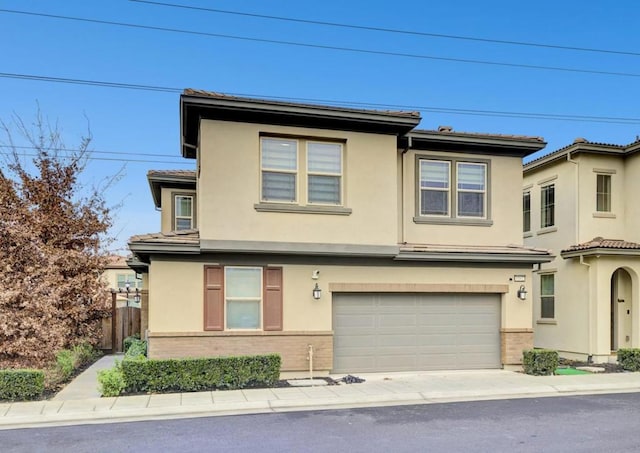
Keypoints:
pixel 601 246
pixel 581 145
pixel 198 104
pixel 176 179
pixel 446 139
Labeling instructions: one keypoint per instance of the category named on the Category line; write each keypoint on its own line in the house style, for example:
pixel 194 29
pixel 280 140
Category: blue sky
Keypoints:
pixel 137 122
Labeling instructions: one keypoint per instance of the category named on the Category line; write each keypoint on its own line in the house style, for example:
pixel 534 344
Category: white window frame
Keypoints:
pixel 526 193
pixel 551 296
pixel 316 173
pixel 295 172
pixel 448 189
pixel 606 194
pixel 260 299
pixel 544 206
pixel 175 214
pixel 483 192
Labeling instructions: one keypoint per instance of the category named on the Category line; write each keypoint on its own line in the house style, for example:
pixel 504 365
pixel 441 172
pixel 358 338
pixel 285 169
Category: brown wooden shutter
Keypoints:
pixel 272 305
pixel 213 298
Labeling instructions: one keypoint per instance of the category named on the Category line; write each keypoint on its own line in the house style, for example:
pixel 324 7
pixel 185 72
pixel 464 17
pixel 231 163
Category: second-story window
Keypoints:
pixel 279 164
pixel 301 171
pixel 603 193
pixel 324 173
pixel 526 211
pixel 547 206
pixel 453 189
pixel 183 212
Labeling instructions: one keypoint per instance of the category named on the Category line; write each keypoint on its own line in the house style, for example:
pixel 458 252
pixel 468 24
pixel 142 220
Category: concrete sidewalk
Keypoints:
pixel 378 390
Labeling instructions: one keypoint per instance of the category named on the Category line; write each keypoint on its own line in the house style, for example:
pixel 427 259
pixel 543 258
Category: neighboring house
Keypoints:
pixel 341 232
pixel 579 201
pixel 119 277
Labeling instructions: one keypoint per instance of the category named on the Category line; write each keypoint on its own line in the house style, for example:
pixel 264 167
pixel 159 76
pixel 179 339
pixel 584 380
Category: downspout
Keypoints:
pixel 576 192
pixel 589 333
pixel 402 189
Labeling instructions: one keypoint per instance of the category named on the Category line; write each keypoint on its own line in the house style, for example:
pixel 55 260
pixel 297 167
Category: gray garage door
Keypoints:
pixel 405 332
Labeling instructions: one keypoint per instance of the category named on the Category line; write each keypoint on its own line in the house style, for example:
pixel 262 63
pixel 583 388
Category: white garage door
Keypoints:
pixel 407 332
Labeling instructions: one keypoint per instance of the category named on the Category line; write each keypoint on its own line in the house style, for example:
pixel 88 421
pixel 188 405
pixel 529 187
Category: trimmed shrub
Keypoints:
pixel 126 343
pixel 629 359
pixel 191 375
pixel 111 382
pixel 84 353
pixel 21 384
pixel 540 362
pixel 137 349
pixel 65 363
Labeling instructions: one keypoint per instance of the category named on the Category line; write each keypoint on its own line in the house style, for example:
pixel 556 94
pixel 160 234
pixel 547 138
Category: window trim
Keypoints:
pixel 552 296
pixel 302 203
pixel 526 212
pixel 608 199
pixel 174 217
pixel 546 226
pixel 260 327
pixel 308 173
pixel 295 172
pixel 452 218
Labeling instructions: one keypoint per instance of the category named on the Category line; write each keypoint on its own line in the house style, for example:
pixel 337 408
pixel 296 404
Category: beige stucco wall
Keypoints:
pixel 176 292
pixel 369 179
pixel 504 202
pixel 632 189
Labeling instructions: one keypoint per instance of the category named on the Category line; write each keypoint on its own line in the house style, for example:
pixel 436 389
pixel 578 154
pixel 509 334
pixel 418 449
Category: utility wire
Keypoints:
pixel 389 30
pixel 327 47
pixel 472 112
pixel 46 148
pixel 89 157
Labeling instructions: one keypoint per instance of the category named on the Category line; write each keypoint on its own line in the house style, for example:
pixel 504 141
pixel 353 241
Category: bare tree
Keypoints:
pixel 52 229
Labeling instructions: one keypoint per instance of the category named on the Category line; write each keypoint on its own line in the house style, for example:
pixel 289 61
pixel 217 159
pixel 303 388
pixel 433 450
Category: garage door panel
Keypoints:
pixel 400 332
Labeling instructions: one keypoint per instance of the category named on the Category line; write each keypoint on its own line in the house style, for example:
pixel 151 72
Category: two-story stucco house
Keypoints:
pixel 343 232
pixel 579 201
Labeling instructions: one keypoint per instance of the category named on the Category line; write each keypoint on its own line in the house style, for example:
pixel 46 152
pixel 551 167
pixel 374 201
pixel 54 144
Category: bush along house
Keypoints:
pixel 339 232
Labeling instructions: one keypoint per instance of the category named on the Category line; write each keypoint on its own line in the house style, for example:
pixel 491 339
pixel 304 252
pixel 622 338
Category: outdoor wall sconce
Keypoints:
pixel 522 293
pixel 317 292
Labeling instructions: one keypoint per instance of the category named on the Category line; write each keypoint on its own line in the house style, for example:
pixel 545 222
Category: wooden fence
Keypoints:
pixel 127 323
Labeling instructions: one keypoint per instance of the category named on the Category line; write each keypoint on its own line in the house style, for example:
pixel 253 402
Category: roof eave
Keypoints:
pixel 475 143
pixel 599 251
pixel 475 257
pixel 576 148
pixel 193 108
pixel 156 182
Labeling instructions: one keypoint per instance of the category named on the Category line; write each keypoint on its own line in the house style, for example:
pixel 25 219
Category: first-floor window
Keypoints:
pixel 128 281
pixel 547 296
pixel 243 297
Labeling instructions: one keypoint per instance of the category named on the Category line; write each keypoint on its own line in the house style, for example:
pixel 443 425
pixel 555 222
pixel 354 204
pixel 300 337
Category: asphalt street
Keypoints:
pixel 598 423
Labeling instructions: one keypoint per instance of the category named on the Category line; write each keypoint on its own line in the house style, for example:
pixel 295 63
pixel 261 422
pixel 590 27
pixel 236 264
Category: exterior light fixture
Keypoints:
pixel 136 298
pixel 522 293
pixel 317 292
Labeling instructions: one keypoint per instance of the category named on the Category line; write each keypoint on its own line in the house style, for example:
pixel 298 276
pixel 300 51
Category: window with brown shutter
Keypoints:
pixel 241 313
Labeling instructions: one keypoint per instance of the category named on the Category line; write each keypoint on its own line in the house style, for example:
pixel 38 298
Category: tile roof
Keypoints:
pixel 116 262
pixel 446 130
pixel 216 95
pixel 601 243
pixel 172 237
pixel 177 173
pixel 582 141
pixel 439 248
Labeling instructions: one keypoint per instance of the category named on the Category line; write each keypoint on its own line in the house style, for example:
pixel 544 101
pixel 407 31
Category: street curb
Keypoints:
pixel 282 406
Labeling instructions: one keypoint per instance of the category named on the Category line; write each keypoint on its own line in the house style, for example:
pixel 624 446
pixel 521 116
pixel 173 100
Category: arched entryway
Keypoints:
pixel 621 325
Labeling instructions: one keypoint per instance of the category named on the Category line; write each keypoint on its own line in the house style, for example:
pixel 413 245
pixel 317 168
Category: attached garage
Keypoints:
pixel 411 332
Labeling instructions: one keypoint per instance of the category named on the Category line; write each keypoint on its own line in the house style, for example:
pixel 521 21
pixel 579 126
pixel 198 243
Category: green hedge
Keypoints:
pixel 191 375
pixel 21 384
pixel 127 342
pixel 136 349
pixel 629 359
pixel 111 381
pixel 540 362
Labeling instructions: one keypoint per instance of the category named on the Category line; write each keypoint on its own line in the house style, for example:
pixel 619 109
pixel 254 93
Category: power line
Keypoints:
pixel 89 157
pixel 328 47
pixel 389 30
pixel 471 112
pixel 92 151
